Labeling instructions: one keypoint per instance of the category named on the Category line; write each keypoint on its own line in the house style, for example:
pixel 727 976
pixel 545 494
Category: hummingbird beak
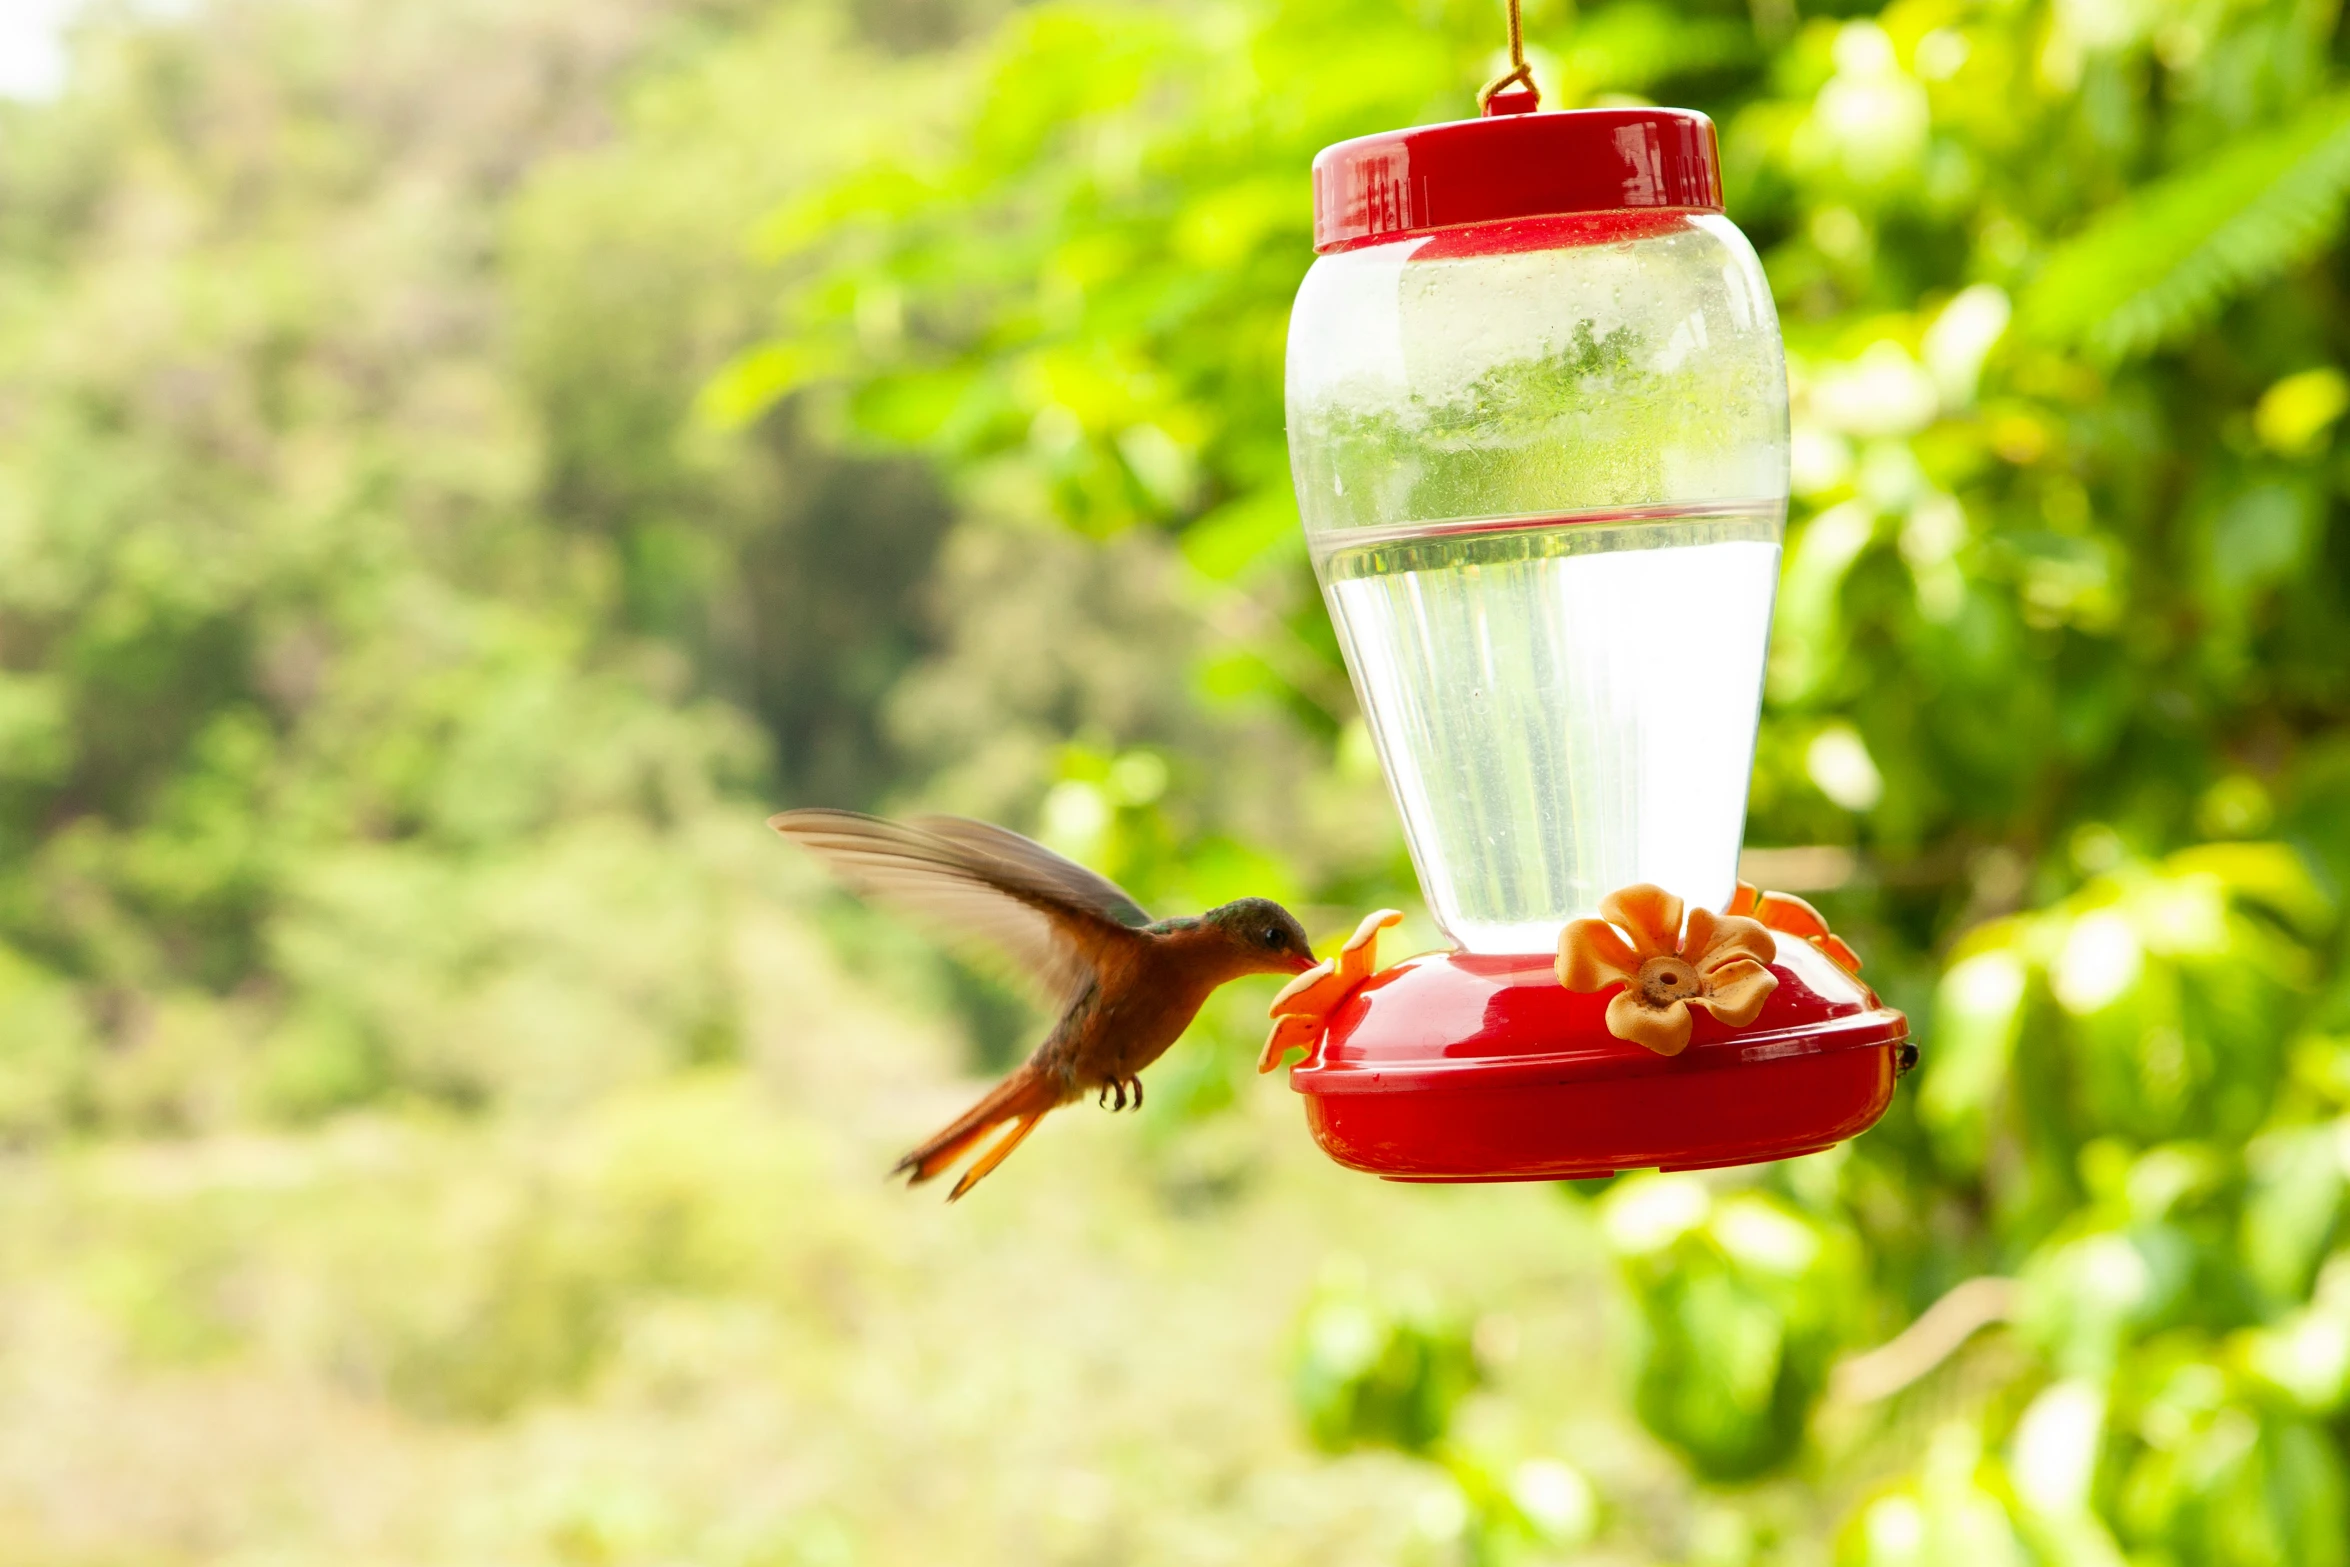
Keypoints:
pixel 1300 964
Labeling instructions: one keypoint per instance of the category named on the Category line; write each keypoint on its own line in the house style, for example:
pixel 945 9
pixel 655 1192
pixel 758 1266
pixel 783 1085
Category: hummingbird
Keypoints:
pixel 1124 986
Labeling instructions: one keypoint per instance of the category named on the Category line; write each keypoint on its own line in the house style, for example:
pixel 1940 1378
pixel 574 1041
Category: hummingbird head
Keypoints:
pixel 1266 936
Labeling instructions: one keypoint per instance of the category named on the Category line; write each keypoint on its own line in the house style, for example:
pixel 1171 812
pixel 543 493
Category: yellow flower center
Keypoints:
pixel 1665 980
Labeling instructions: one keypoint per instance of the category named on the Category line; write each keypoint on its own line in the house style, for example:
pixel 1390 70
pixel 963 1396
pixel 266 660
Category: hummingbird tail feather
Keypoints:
pixel 1024 1097
pixel 996 1155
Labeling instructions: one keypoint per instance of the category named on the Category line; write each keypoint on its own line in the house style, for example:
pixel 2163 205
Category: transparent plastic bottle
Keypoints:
pixel 1538 426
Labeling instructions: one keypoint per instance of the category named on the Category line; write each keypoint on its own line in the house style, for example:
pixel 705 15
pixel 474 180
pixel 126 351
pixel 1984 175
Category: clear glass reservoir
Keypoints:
pixel 1542 466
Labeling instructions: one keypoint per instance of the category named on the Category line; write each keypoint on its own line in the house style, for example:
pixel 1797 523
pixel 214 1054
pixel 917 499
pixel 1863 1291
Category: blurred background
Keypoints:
pixel 464 462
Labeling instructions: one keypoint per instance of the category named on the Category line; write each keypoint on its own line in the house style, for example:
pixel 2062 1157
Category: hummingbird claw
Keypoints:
pixel 1138 1093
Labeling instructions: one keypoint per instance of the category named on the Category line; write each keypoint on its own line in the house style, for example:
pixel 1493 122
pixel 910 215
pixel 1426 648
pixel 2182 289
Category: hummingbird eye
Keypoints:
pixel 1272 935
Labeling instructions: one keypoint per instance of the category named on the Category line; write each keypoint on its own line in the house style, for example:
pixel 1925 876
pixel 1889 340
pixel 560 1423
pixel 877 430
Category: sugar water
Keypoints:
pixel 1563 704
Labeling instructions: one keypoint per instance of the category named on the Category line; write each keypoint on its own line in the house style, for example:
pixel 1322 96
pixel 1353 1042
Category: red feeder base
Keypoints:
pixel 1473 1067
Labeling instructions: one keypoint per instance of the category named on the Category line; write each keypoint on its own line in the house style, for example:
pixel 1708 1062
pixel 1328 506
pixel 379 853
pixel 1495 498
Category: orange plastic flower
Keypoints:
pixel 1791 916
pixel 1304 1006
pixel 1718 963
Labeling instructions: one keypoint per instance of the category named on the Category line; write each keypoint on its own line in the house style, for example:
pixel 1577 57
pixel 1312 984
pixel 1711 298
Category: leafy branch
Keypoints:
pixel 2165 262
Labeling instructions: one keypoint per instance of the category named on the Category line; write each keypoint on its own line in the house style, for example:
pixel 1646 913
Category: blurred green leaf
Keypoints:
pixel 2167 259
pixel 1379 1370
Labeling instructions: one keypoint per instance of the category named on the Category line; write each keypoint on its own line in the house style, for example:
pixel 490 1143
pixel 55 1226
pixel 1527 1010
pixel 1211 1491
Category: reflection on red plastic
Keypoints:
pixel 1470 1067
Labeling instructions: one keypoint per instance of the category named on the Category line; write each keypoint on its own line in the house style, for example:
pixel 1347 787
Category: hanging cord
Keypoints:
pixel 1520 74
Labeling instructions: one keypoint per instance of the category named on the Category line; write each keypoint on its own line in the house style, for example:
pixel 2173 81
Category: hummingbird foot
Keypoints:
pixel 1113 1094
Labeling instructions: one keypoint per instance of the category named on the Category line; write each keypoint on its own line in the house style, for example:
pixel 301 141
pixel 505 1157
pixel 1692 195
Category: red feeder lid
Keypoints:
pixel 1466 1067
pixel 1513 165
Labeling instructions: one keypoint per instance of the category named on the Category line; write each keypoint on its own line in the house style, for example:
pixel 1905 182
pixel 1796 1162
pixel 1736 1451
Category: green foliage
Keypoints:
pixel 1388 1370
pixel 385 648
pixel 1377 1373
pixel 1745 1302
pixel 2168 260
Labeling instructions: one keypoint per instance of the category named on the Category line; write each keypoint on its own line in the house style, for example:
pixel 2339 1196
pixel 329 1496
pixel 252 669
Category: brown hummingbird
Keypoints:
pixel 1125 986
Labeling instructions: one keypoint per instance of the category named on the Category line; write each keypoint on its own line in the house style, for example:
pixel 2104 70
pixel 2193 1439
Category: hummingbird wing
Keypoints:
pixel 1028 859
pixel 1055 920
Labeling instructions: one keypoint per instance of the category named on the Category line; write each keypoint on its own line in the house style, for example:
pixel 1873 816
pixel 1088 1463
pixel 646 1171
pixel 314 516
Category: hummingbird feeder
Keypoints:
pixel 1537 410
